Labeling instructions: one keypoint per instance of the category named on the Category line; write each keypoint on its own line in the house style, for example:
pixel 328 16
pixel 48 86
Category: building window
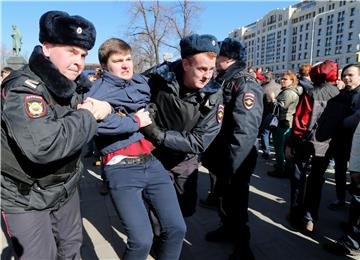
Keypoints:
pixel 350 36
pixel 305 55
pixel 318 42
pixel 307 26
pixel 319 32
pixel 317 53
pixel 320 21
pixel 352 11
pixel 349 48
pixel 351 24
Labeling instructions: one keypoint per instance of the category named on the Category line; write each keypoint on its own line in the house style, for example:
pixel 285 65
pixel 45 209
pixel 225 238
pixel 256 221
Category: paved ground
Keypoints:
pixel 272 236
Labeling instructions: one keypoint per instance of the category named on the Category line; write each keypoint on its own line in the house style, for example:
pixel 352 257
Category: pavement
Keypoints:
pixel 272 236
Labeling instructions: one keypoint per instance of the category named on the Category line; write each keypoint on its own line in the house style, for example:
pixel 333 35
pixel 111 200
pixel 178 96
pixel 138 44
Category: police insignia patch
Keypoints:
pixel 34 106
pixel 220 113
pixel 249 100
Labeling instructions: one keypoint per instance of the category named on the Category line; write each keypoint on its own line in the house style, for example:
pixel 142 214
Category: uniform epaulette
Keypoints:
pixel 32 83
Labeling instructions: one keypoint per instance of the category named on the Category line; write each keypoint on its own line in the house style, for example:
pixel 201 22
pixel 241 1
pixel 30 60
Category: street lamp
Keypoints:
pixel 313 32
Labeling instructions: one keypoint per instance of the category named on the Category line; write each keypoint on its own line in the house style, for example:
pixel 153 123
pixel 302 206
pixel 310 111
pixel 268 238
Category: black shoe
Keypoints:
pixel 341 248
pixel 218 235
pixel 336 205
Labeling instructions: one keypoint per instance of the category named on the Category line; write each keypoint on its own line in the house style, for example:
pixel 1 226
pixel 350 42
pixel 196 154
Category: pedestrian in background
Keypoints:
pixel 271 91
pixel 44 126
pixel 286 101
pixel 233 154
pixel 308 146
pixel 131 172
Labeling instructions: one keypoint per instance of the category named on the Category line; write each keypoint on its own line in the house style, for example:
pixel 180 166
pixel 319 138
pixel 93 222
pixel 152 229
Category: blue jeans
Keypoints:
pixel 129 184
pixel 265 140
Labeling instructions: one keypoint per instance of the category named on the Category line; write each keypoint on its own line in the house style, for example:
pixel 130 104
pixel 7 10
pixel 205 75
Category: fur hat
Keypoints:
pixel 232 48
pixel 326 71
pixel 195 43
pixel 60 27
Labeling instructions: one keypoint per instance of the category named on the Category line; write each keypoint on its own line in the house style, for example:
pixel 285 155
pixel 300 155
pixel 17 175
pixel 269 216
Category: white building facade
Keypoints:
pixel 308 32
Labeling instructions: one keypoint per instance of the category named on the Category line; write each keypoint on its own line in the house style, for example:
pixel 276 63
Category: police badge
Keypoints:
pixel 34 106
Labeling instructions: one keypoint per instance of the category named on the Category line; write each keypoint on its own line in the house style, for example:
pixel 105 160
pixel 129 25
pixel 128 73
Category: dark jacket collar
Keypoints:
pixel 59 85
pixel 231 71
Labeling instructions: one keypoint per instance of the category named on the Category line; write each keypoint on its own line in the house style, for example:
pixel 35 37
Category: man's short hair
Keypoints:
pixel 304 70
pixel 111 46
pixel 6 69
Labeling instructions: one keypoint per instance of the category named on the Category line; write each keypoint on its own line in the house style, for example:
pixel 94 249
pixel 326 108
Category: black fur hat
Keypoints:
pixel 195 43
pixel 232 48
pixel 60 27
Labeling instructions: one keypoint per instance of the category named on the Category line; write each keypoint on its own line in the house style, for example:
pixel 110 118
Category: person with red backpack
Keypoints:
pixel 305 147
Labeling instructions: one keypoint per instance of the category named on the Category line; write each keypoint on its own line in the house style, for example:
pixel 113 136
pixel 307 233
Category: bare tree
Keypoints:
pixel 182 23
pixel 151 25
pixel 154 25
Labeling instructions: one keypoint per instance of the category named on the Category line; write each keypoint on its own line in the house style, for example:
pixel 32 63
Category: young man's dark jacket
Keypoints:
pixel 190 118
pixel 120 129
pixel 42 134
pixel 243 100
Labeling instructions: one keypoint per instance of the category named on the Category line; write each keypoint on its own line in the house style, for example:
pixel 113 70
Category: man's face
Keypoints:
pixel 121 65
pixel 351 77
pixel 69 60
pixel 4 74
pixel 198 70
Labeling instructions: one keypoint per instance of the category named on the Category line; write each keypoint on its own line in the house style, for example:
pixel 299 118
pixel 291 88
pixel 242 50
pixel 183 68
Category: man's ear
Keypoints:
pixel 46 48
pixel 186 64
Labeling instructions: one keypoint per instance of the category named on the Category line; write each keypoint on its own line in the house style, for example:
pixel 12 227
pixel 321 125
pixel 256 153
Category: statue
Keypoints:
pixel 17 40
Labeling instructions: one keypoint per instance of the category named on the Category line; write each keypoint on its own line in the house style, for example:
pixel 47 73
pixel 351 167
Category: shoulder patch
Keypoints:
pixel 31 83
pixel 220 113
pixel 249 100
pixel 34 106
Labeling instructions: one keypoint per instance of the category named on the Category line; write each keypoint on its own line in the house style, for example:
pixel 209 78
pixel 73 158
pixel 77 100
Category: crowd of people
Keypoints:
pixel 152 129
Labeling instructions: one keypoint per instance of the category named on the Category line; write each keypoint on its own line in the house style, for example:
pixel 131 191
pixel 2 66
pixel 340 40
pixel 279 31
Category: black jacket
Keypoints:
pixel 189 117
pixel 42 135
pixel 243 100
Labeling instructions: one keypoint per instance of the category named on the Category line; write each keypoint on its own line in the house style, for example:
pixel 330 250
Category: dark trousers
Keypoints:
pixel 234 199
pixel 306 190
pixel 185 177
pixel 129 184
pixel 341 165
pixel 47 234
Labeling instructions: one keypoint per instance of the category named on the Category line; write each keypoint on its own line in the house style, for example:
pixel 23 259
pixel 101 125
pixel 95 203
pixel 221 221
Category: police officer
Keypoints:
pixel 188 104
pixel 43 128
pixel 232 156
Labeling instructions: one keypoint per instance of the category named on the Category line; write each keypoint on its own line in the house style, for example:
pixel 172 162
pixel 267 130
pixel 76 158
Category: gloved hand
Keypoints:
pixel 153 133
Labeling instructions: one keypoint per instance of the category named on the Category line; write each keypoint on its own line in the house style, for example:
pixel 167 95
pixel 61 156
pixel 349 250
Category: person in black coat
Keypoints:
pixel 233 154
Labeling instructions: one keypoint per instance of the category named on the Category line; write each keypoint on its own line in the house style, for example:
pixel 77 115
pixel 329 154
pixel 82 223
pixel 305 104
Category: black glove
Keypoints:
pixel 153 133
